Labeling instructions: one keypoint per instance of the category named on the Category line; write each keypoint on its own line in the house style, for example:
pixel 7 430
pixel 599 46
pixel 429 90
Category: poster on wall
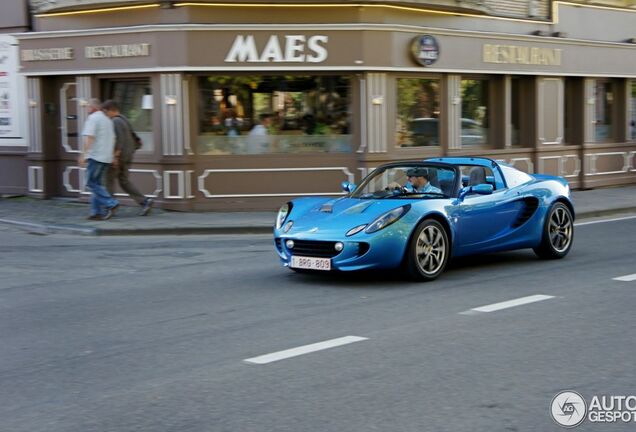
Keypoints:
pixel 10 82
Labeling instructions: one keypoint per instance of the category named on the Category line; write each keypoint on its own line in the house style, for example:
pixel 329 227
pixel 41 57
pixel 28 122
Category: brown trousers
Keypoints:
pixel 120 173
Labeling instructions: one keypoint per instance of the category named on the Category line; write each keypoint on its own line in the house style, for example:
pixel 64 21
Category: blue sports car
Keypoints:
pixel 418 214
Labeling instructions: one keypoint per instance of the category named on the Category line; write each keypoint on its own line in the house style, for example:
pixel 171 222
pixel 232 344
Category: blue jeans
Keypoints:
pixel 101 200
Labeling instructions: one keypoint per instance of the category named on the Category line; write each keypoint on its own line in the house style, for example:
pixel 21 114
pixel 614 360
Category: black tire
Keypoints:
pixel 558 233
pixel 428 251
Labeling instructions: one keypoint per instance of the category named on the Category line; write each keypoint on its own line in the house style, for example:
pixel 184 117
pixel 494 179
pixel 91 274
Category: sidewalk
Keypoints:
pixel 67 216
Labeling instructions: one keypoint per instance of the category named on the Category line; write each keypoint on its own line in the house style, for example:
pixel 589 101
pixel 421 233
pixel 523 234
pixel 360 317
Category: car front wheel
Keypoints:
pixel 428 251
pixel 558 233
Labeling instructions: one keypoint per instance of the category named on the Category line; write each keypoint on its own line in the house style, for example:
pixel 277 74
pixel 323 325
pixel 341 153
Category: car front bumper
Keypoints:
pixel 381 251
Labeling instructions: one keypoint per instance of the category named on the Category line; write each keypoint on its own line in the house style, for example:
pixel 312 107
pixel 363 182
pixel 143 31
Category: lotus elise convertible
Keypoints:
pixel 458 206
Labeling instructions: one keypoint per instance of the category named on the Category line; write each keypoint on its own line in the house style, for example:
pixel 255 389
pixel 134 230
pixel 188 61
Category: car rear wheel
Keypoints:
pixel 558 233
pixel 428 251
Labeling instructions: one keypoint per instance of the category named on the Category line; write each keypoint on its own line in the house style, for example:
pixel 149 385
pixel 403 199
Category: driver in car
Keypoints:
pixel 418 181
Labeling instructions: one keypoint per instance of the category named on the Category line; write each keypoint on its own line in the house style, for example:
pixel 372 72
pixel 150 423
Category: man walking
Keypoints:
pixel 125 147
pixel 99 143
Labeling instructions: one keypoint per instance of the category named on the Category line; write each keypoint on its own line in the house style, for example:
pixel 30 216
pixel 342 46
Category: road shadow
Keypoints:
pixel 397 278
pixel 516 257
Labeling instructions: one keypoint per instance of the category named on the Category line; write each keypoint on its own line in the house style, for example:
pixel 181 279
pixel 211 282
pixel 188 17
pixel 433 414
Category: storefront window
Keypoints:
pixel 603 118
pixel 632 121
pixel 475 113
pixel 274 114
pixel 417 112
pixel 515 114
pixel 521 90
pixel 129 94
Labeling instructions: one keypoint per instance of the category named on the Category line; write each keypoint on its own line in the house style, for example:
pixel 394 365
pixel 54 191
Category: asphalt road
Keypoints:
pixel 153 333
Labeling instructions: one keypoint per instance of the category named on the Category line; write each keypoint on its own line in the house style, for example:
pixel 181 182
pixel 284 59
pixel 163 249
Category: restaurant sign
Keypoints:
pixel 90 52
pixel 114 51
pixel 289 48
pixel 524 55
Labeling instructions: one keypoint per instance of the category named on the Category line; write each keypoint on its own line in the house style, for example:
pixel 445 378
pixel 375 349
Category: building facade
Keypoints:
pixel 338 87
pixel 14 18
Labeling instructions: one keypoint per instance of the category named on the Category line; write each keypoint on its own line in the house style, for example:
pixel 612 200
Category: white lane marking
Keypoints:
pixel 604 220
pixel 511 303
pixel 627 278
pixel 306 349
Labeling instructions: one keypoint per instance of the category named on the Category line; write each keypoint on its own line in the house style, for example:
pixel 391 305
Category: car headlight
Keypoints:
pixel 282 214
pixel 387 219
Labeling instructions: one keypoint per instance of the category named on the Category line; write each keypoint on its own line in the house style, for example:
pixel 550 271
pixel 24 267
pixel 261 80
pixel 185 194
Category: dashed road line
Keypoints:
pixel 626 278
pixel 306 349
pixel 508 304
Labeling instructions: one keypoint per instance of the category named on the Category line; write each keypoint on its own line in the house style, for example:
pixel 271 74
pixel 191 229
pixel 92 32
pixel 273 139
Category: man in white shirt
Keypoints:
pixel 97 155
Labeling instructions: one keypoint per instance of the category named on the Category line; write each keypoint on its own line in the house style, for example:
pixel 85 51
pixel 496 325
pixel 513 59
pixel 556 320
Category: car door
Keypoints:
pixel 483 219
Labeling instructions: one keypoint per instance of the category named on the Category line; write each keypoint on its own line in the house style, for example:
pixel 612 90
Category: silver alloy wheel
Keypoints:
pixel 430 250
pixel 560 229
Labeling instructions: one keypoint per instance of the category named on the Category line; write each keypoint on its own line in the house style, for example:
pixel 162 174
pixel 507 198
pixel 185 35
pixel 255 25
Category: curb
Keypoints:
pixel 39 228
pixel 50 229
pixel 605 212
pixel 185 230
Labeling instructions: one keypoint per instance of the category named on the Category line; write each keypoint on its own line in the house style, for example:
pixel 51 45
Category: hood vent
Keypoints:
pixel 529 207
pixel 327 208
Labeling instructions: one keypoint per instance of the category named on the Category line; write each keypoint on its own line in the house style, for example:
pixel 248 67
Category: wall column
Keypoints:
pixel 376 109
pixel 178 168
pixel 453 125
pixel 35 168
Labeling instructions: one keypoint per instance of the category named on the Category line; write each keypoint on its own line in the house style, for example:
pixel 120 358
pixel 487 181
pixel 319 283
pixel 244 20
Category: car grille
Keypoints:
pixel 279 244
pixel 319 249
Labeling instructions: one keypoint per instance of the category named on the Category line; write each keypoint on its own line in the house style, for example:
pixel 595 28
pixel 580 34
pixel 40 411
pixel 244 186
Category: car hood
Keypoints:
pixel 337 216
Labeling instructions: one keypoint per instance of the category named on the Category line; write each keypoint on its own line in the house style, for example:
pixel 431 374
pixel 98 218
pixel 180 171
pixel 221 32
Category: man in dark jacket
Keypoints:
pixel 125 147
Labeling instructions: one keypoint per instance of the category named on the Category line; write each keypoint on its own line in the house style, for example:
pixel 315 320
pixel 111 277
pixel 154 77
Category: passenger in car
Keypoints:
pixel 477 176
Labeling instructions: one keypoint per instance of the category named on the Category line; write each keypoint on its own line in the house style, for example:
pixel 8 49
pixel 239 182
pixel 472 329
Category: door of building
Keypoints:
pixel 61 137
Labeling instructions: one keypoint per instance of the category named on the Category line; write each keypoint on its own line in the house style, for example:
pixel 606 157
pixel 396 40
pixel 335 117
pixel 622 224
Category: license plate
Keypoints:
pixel 310 263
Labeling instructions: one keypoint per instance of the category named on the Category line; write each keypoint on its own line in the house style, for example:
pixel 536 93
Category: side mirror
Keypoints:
pixel 348 186
pixel 483 189
pixel 480 189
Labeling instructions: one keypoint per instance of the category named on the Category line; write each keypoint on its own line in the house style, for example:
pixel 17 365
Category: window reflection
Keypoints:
pixel 417 112
pixel 604 98
pixel 516 110
pixel 475 113
pixel 274 114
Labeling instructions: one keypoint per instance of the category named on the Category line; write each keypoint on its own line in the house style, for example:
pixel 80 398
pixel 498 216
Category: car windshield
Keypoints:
pixel 408 181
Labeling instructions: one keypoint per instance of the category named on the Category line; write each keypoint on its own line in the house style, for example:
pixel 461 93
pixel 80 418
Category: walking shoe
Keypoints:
pixel 148 202
pixel 111 212
pixel 95 217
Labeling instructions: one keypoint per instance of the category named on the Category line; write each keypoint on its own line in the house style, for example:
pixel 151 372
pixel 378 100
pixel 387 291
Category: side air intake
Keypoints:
pixel 530 205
